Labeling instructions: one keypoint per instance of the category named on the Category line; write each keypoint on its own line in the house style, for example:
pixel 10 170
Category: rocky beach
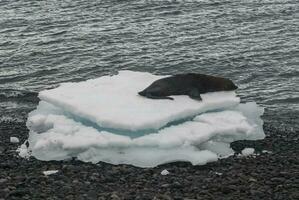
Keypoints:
pixel 253 43
pixel 271 173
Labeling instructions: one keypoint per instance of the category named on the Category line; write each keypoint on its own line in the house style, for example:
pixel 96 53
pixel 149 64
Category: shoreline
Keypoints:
pixel 270 175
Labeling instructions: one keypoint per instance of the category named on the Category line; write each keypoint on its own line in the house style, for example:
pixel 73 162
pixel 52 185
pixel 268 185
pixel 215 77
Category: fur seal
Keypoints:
pixel 190 84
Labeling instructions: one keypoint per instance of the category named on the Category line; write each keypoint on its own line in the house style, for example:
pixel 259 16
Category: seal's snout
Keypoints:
pixel 142 93
pixel 232 86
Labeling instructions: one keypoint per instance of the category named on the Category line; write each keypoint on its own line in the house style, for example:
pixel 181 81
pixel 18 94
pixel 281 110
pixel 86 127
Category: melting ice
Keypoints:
pixel 104 119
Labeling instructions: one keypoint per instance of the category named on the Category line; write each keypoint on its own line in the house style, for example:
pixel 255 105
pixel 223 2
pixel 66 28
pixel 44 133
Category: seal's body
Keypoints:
pixel 190 84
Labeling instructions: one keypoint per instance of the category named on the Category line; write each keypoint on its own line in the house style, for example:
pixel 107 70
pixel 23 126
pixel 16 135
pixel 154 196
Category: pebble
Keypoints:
pixel 92 194
pixel 252 180
pixel 1 149
pixel 176 184
pixel 162 197
pixel 3 180
pixel 4 192
pixel 76 181
pixel 115 197
pixel 165 185
pixel 278 179
pixel 69 197
pixel 256 193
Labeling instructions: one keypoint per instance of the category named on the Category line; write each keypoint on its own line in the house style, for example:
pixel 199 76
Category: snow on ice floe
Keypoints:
pixel 104 119
pixel 113 102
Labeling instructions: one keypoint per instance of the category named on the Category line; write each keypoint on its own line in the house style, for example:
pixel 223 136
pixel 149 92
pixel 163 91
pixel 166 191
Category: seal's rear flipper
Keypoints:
pixel 194 94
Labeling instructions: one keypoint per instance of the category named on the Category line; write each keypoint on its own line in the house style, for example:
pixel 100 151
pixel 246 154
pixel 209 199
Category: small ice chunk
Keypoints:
pixel 266 151
pixel 164 172
pixel 23 151
pixel 14 140
pixel 50 172
pixel 247 151
pixel 218 173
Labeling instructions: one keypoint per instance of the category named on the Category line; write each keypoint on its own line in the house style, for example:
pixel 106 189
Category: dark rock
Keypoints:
pixel 256 193
pixel 92 194
pixel 69 197
pixel 7 165
pixel 178 198
pixel 4 192
pixel 19 192
pixel 3 180
pixel 176 184
pixel 1 149
pixel 252 180
pixel 278 179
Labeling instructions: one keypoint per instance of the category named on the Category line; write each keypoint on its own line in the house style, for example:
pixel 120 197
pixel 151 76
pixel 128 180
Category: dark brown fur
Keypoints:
pixel 190 84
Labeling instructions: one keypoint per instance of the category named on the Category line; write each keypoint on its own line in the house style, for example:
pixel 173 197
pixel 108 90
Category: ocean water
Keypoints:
pixel 253 42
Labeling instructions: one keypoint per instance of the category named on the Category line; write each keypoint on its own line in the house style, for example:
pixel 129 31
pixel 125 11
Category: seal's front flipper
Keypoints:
pixel 170 98
pixel 158 97
pixel 194 94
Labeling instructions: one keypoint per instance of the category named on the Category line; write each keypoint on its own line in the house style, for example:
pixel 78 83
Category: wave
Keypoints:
pixel 18 95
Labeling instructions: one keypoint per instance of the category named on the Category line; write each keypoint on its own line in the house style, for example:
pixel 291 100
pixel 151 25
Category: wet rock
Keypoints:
pixel 162 197
pixel 1 149
pixel 114 196
pixel 76 181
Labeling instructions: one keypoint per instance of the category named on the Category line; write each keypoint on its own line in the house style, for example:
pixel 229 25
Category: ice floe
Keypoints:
pixel 50 172
pixel 104 119
pixel 247 151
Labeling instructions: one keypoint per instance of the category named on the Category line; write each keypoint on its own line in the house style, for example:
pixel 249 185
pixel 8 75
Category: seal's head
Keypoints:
pixel 157 91
pixel 219 84
pixel 152 91
pixel 229 85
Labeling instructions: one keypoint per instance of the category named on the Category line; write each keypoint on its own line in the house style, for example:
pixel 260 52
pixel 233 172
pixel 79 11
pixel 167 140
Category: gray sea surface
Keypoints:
pixel 253 42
